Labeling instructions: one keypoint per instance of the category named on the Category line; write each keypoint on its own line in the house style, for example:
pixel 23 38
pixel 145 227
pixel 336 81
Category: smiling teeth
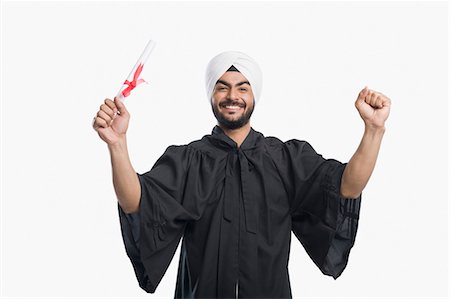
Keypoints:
pixel 232 107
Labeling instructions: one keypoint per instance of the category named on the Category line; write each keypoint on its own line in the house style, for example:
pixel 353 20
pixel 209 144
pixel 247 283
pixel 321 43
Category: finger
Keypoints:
pixel 111 105
pixel 372 98
pixel 367 90
pixel 379 101
pixel 107 110
pixel 100 123
pixel 367 96
pixel 361 96
pixel 104 116
pixel 362 92
pixel 121 106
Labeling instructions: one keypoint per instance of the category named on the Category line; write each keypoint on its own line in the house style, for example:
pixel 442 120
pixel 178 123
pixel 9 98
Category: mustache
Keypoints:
pixel 232 103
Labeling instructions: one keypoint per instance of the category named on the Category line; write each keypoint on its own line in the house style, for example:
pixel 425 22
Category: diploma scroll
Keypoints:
pixel 133 79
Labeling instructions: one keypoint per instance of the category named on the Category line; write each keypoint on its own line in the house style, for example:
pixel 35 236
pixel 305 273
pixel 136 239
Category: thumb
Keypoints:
pixel 361 97
pixel 120 106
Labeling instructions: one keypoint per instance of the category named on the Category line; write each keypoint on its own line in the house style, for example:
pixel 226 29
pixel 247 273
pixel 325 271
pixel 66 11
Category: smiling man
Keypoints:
pixel 233 100
pixel 233 104
pixel 234 196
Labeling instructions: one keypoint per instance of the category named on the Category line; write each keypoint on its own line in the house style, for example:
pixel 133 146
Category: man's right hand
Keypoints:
pixel 111 122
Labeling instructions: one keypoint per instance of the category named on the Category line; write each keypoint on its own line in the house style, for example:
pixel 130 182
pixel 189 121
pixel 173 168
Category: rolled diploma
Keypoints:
pixel 142 60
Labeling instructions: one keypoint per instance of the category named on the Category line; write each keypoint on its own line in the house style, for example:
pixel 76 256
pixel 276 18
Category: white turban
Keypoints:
pixel 244 63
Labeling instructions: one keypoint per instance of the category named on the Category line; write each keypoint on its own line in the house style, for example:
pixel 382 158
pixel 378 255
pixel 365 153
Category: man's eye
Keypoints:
pixel 243 89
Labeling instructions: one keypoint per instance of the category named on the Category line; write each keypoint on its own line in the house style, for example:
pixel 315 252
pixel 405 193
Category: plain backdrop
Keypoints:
pixel 59 223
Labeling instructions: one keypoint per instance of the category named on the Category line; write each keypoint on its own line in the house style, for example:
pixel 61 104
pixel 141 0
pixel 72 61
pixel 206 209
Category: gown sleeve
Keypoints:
pixel 151 235
pixel 324 222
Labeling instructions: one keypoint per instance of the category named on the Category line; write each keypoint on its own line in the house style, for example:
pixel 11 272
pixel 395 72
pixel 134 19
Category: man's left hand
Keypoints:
pixel 373 107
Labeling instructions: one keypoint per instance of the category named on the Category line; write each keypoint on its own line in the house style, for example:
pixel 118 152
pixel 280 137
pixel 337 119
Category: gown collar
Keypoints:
pixel 251 141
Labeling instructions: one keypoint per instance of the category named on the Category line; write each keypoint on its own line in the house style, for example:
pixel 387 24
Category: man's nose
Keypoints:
pixel 233 94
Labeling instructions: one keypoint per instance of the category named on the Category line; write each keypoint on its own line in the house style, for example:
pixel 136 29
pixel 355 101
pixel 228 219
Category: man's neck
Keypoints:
pixel 238 135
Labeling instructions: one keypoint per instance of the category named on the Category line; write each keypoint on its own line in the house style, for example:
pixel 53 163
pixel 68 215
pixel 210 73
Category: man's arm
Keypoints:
pixel 125 180
pixel 111 124
pixel 374 108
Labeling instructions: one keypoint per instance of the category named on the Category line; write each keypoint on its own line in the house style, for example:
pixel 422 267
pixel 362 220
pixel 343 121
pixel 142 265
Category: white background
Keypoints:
pixel 59 223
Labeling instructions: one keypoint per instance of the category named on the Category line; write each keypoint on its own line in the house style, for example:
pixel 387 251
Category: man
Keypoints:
pixel 235 195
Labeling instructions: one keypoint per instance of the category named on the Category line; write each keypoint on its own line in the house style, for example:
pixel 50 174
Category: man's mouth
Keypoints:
pixel 232 107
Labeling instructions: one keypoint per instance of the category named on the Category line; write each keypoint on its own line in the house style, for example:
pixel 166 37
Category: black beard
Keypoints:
pixel 233 124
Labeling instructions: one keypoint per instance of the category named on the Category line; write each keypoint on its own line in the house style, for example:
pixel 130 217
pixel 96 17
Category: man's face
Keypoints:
pixel 233 100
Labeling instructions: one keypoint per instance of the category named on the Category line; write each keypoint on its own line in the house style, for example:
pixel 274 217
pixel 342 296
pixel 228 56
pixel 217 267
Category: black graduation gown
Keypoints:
pixel 235 209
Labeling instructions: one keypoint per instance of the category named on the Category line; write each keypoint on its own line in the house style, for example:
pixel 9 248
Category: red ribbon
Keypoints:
pixel 136 81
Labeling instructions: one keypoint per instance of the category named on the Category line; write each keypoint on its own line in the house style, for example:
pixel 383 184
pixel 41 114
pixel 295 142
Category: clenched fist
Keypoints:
pixel 373 107
pixel 111 122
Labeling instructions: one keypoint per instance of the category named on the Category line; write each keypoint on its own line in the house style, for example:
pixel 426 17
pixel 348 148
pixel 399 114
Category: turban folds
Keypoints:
pixel 246 65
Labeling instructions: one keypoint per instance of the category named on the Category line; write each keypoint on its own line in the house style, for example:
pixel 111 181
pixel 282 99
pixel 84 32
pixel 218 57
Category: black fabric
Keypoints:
pixel 233 69
pixel 235 209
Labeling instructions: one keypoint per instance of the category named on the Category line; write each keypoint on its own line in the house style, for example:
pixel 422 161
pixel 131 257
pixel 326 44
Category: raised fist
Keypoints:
pixel 374 107
pixel 111 122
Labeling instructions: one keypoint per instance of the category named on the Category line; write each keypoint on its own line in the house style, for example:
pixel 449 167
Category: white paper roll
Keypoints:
pixel 133 79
